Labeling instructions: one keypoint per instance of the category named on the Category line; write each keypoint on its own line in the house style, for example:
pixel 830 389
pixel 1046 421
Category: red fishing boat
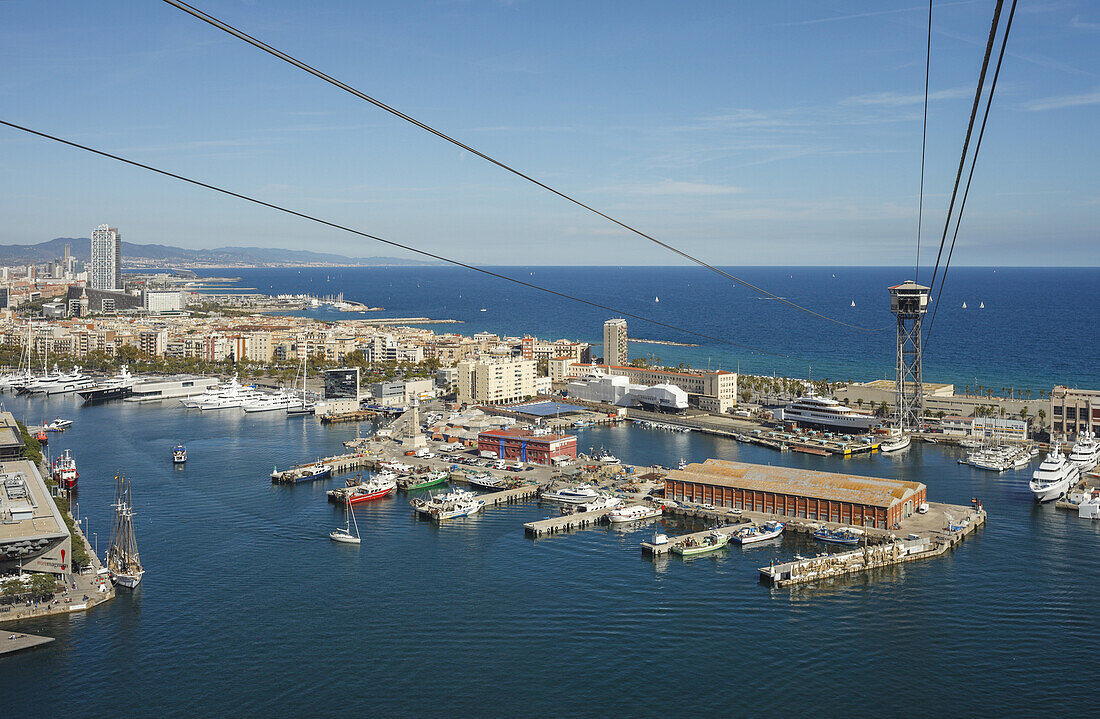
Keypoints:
pixel 64 470
pixel 374 488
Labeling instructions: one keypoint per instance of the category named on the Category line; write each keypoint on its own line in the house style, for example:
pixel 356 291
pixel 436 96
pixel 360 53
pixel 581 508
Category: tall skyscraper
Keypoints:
pixel 106 259
pixel 614 342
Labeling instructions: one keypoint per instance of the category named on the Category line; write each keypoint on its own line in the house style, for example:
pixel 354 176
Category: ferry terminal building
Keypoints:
pixel 806 494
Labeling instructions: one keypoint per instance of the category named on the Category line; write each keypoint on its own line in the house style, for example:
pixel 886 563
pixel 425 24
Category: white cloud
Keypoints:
pixel 897 99
pixel 1064 101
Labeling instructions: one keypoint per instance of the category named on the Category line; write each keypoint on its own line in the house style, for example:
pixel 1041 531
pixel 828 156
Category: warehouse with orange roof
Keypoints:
pixel 801 493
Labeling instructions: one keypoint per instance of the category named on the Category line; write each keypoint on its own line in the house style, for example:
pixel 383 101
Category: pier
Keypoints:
pixel 340 463
pixel 895 551
pixel 18 641
pixel 564 523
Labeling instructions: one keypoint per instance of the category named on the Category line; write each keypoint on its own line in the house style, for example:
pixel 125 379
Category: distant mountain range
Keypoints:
pixel 140 256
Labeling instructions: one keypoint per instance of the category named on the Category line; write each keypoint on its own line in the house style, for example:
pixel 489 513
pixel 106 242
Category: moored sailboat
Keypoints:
pixel 123 561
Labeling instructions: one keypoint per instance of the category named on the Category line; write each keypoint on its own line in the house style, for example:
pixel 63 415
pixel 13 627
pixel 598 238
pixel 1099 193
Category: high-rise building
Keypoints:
pixel 106 259
pixel 614 342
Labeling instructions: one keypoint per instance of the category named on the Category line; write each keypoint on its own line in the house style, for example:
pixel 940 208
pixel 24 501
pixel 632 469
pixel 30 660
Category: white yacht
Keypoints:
pixel 76 381
pixel 1086 451
pixel 578 494
pixel 1054 477
pixel 604 501
pixel 280 400
pixel 818 411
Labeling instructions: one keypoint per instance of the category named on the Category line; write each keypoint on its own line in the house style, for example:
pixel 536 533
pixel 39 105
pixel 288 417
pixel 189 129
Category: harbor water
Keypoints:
pixel 248 609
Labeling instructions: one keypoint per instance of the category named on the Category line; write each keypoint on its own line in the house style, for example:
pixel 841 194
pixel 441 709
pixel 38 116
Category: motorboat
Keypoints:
pixel 633 513
pixel 604 501
pixel 179 454
pixel 1054 476
pixel 575 494
pixel 844 535
pixel 711 542
pixel 753 534
pixel 58 425
pixel 1086 451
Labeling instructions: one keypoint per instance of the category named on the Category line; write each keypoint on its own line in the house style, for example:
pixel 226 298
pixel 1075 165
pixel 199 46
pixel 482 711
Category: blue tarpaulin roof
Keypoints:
pixel 547 409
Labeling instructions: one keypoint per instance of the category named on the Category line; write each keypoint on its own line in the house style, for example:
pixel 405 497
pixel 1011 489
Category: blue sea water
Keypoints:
pixel 248 609
pixel 1032 334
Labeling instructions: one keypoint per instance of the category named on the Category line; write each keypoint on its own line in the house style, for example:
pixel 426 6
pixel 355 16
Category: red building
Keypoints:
pixel 526 446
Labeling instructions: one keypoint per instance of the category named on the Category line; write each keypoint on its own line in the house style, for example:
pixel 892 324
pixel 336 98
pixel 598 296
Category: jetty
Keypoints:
pixel 564 523
pixel 340 463
pixel 665 547
pixel 11 642
pixel 894 551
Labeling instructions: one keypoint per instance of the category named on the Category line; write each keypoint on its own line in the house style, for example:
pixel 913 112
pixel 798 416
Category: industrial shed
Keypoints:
pixel 822 496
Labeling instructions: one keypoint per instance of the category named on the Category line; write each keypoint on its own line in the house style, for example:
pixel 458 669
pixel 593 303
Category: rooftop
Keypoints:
pixel 524 434
pixel 871 491
pixel 35 515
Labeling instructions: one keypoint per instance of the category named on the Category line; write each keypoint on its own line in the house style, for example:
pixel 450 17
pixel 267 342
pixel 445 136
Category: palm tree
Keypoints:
pixel 1042 414
pixel 859 403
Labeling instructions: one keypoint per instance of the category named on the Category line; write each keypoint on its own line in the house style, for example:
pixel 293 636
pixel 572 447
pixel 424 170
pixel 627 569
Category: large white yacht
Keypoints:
pixel 280 400
pixel 1054 477
pixel 72 382
pixel 824 412
pixel 1086 451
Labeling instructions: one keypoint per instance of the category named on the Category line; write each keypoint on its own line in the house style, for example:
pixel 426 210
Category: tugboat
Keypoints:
pixel 123 562
pixel 64 471
pixel 179 454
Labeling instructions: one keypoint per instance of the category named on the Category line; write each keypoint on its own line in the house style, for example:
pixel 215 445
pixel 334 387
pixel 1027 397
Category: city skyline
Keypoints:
pixel 745 135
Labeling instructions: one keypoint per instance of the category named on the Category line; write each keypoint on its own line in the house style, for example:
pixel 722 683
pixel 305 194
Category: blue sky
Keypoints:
pixel 748 133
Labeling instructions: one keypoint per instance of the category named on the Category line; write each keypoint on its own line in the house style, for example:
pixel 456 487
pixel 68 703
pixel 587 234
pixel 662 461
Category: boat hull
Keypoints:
pixel 412 486
pixel 130 581
pixel 700 549
pixel 759 537
pixel 342 538
pixel 370 496
pixel 95 396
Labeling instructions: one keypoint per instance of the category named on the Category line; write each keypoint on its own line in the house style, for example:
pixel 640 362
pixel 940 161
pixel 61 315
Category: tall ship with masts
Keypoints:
pixel 123 561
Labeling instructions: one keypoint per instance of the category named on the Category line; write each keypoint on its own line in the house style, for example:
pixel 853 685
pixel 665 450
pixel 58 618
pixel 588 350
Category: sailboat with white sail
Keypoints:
pixel 344 535
pixel 123 561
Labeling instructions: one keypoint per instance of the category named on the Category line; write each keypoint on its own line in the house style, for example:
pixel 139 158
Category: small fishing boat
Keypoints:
pixel 424 481
pixel 711 541
pixel 378 487
pixel 848 535
pixel 579 494
pixel 459 503
pixel 485 480
pixel 179 454
pixel 633 513
pixel 343 534
pixel 305 472
pixel 64 471
pixel 753 534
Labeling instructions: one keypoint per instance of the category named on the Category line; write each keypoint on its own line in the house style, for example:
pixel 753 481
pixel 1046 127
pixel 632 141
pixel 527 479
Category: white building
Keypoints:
pixel 614 342
pixel 618 390
pixel 106 258
pixel 496 381
pixel 162 301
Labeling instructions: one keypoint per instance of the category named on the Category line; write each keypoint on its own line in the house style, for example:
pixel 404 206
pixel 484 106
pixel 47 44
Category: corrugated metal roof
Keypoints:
pixel 872 491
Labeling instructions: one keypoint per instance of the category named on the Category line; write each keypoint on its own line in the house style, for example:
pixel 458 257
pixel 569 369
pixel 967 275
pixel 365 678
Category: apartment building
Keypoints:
pixel 487 381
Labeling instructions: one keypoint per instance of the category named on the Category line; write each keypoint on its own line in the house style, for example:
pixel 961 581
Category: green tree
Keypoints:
pixel 1042 415
pixel 43 585
pixel 13 587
